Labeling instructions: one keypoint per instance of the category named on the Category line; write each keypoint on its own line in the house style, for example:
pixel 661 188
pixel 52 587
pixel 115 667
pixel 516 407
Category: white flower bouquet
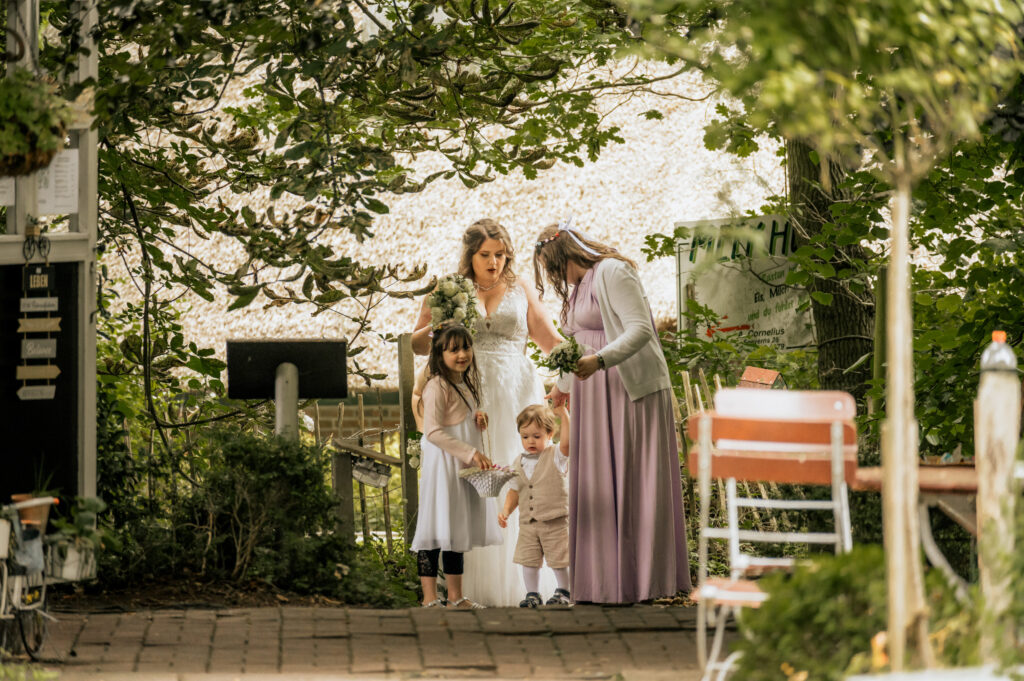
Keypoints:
pixel 563 357
pixel 453 298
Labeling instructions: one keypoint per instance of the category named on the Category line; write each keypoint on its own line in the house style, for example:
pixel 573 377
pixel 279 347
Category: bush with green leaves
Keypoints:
pixel 820 619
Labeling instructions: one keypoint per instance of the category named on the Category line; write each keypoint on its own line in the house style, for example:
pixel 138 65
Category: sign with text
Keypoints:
pixel 39 348
pixel 45 304
pixel 7 192
pixel 37 392
pixel 38 278
pixel 746 289
pixel 58 184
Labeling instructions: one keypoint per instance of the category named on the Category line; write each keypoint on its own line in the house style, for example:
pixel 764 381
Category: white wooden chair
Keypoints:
pixel 781 436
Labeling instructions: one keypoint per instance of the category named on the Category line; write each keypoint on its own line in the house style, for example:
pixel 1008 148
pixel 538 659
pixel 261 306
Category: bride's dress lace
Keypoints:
pixel 509 383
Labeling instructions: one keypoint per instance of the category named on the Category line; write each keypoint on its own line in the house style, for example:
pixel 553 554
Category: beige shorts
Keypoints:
pixel 543 540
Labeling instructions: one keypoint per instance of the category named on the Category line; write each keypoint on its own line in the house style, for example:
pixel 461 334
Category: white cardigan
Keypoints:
pixel 632 341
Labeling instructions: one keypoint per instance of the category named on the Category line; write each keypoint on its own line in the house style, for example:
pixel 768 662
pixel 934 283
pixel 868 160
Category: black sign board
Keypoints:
pixel 38 278
pixel 252 365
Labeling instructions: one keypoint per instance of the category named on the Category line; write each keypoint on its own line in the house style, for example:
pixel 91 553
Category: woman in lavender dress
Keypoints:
pixel 627 533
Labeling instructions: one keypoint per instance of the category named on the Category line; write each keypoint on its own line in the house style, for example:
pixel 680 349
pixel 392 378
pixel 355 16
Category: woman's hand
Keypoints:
pixel 481 461
pixel 557 398
pixel 503 520
pixel 586 366
pixel 481 420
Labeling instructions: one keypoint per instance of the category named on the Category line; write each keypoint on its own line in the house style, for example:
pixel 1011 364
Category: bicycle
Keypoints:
pixel 23 577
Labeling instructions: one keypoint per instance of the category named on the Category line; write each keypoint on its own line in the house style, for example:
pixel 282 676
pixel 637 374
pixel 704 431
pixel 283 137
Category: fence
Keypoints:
pixel 356 465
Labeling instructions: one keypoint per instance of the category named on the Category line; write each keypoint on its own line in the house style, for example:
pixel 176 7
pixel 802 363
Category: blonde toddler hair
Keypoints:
pixel 539 414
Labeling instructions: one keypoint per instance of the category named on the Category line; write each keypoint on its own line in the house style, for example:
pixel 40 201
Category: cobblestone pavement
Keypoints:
pixel 638 642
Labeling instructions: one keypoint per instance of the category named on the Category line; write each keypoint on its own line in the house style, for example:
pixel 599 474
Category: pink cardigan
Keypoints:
pixel 442 406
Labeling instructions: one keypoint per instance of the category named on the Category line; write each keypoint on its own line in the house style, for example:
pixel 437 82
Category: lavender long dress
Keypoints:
pixel 627 534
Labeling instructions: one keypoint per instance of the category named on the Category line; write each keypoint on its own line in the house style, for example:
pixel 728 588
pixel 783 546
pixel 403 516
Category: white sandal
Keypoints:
pixel 466 604
pixel 436 603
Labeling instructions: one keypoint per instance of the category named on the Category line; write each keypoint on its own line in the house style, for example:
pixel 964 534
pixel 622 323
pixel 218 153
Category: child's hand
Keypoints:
pixel 561 410
pixel 502 520
pixel 481 420
pixel 481 461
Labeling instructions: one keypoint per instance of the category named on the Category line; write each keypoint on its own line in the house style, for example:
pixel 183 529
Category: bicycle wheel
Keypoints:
pixel 33 626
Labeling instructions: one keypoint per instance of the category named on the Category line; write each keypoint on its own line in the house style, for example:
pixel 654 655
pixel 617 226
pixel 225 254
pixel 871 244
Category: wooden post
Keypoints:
pixel 362 487
pixel 996 432
pixel 904 572
pixel 385 500
pixel 406 425
pixel 341 478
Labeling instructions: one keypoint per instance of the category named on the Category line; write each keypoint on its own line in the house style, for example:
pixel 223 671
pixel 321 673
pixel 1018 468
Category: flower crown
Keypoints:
pixel 565 226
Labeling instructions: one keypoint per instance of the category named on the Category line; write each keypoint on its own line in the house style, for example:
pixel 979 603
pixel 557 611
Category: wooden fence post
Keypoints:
pixel 996 433
pixel 341 480
pixel 385 499
pixel 406 425
pixel 362 488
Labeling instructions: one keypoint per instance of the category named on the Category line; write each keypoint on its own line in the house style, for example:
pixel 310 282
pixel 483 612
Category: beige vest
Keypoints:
pixel 545 496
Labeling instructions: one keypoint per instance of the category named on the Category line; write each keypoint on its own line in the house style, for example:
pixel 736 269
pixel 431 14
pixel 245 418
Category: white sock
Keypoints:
pixel 531 579
pixel 562 577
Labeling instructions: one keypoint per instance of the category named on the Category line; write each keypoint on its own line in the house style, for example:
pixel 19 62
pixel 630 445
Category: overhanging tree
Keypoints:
pixel 896 82
pixel 338 97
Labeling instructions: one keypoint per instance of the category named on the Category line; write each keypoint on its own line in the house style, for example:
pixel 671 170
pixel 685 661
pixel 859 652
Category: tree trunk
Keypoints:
pixel 904 572
pixel 845 328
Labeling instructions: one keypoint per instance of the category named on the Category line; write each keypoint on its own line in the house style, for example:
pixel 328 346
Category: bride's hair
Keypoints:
pixel 558 247
pixel 453 336
pixel 474 237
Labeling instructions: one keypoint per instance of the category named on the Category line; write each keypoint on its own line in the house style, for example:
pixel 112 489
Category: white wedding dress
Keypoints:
pixel 509 383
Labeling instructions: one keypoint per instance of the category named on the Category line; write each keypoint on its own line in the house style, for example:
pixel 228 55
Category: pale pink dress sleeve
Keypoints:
pixel 436 411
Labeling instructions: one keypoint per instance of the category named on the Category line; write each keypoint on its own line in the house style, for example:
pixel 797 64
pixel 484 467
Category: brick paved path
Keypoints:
pixel 582 642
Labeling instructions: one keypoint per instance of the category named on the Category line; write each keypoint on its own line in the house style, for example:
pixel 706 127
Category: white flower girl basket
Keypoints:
pixel 487 483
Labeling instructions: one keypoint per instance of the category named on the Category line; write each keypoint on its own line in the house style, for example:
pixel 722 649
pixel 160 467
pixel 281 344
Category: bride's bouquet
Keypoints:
pixel 453 298
pixel 563 357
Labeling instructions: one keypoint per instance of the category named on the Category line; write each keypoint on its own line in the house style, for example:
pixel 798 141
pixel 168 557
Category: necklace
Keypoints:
pixel 485 289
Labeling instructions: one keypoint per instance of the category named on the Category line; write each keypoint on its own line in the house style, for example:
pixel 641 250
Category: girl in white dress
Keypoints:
pixel 511 313
pixel 452 517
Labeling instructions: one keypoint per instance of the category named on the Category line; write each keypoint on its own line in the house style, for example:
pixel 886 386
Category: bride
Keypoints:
pixel 510 312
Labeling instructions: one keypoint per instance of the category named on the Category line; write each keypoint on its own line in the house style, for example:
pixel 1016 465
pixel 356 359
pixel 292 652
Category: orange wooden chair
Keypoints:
pixel 782 436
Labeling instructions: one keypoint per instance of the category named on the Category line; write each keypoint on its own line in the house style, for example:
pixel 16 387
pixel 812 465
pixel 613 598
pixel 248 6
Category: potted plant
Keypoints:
pixel 33 122
pixel 73 547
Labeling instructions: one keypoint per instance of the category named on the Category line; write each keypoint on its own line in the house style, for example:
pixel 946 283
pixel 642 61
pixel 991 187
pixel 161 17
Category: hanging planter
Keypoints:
pixel 33 122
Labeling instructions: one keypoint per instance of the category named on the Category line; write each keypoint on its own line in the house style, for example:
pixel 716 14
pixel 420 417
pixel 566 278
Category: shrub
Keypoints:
pixel 820 619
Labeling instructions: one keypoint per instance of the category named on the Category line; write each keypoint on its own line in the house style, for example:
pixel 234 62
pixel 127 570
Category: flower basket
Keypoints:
pixel 70 563
pixel 487 483
pixel 33 122
pixel 32 517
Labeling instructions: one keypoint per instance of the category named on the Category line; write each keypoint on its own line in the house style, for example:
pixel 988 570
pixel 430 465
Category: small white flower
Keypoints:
pixel 308 420
pixel 461 299
pixel 436 315
pixel 459 314
pixel 414 462
pixel 448 288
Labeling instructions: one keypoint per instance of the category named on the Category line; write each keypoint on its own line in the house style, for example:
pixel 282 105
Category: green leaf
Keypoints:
pixel 822 297
pixel 245 295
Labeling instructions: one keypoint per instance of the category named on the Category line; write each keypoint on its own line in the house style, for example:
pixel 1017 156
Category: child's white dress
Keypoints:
pixel 452 516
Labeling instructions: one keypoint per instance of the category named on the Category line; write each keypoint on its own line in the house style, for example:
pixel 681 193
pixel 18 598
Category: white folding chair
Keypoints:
pixel 781 436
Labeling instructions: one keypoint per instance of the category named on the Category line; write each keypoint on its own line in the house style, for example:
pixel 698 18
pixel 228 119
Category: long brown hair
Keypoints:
pixel 559 249
pixel 475 236
pixel 451 335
